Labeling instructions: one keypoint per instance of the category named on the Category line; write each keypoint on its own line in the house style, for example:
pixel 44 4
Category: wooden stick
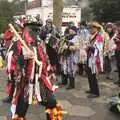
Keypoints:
pixel 19 37
pixel 24 44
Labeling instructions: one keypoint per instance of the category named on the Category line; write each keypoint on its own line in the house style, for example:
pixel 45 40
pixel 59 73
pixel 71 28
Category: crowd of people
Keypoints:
pixel 35 54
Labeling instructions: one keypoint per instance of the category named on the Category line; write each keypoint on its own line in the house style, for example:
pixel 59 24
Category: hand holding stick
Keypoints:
pixel 24 44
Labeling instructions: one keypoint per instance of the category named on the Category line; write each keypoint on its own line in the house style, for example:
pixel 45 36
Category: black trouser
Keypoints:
pixel 11 84
pixel 81 68
pixel 22 107
pixel 93 82
pixel 107 64
pixel 64 79
pixel 71 79
pixel 48 117
pixel 48 98
pixel 117 56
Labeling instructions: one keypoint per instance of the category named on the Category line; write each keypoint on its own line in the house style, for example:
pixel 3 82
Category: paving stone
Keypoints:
pixel 66 104
pixel 61 90
pixel 2 95
pixel 79 101
pixel 74 101
pixel 1 103
pixel 102 99
pixel 85 87
pixel 104 114
pixel 3 118
pixel 33 116
pixel 80 94
pixel 82 111
pixel 74 118
pixel 109 85
pixel 64 96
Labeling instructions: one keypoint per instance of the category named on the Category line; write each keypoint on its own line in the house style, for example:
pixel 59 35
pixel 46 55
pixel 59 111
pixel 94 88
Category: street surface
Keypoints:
pixel 75 102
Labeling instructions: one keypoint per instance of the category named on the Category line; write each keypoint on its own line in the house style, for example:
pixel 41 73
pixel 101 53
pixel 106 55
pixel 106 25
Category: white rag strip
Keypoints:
pixel 33 67
pixel 13 110
pixel 30 91
pixel 37 88
pixel 33 70
pixel 13 106
pixel 92 64
pixel 40 69
pixel 24 52
pixel 40 66
pixel 9 61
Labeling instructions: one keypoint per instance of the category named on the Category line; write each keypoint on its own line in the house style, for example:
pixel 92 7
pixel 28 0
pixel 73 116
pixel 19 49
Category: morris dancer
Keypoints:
pixel 35 83
pixel 109 48
pixel 70 58
pixel 84 35
pixel 12 54
pixel 116 39
pixel 52 40
pixel 93 59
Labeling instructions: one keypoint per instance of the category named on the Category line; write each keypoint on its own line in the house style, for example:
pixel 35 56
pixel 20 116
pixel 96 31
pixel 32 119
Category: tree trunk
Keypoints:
pixel 57 13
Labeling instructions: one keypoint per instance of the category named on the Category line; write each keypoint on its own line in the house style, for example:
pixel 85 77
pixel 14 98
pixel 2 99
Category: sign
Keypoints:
pixel 47 2
pixel 69 14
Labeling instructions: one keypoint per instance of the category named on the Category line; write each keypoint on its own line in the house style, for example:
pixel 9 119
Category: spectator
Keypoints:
pixel 117 52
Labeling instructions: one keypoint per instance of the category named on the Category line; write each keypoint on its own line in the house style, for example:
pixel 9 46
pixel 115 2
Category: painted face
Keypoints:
pixel 93 30
pixel 71 32
pixel 49 24
pixel 109 29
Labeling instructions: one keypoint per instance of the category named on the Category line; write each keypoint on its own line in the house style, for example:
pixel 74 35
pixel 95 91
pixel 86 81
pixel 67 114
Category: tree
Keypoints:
pixel 6 13
pixel 106 10
pixel 8 10
pixel 57 13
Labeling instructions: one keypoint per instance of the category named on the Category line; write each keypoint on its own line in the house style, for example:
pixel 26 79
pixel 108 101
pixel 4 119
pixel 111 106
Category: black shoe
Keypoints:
pixel 88 91
pixel 92 96
pixel 116 70
pixel 109 78
pixel 7 100
pixel 102 73
pixel 69 88
pixel 81 73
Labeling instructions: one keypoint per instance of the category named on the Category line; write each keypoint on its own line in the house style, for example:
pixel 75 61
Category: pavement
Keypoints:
pixel 75 101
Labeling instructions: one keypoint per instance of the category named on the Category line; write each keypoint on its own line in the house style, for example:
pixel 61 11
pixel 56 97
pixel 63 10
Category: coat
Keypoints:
pixel 70 60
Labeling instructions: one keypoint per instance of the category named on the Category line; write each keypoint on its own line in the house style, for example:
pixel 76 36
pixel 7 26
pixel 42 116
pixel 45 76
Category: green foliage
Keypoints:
pixel 8 10
pixel 106 10
pixel 6 13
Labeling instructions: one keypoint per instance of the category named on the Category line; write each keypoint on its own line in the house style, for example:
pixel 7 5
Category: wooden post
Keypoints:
pixel 57 13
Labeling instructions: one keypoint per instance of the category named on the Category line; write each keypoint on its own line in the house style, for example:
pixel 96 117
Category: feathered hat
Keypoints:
pixel 95 24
